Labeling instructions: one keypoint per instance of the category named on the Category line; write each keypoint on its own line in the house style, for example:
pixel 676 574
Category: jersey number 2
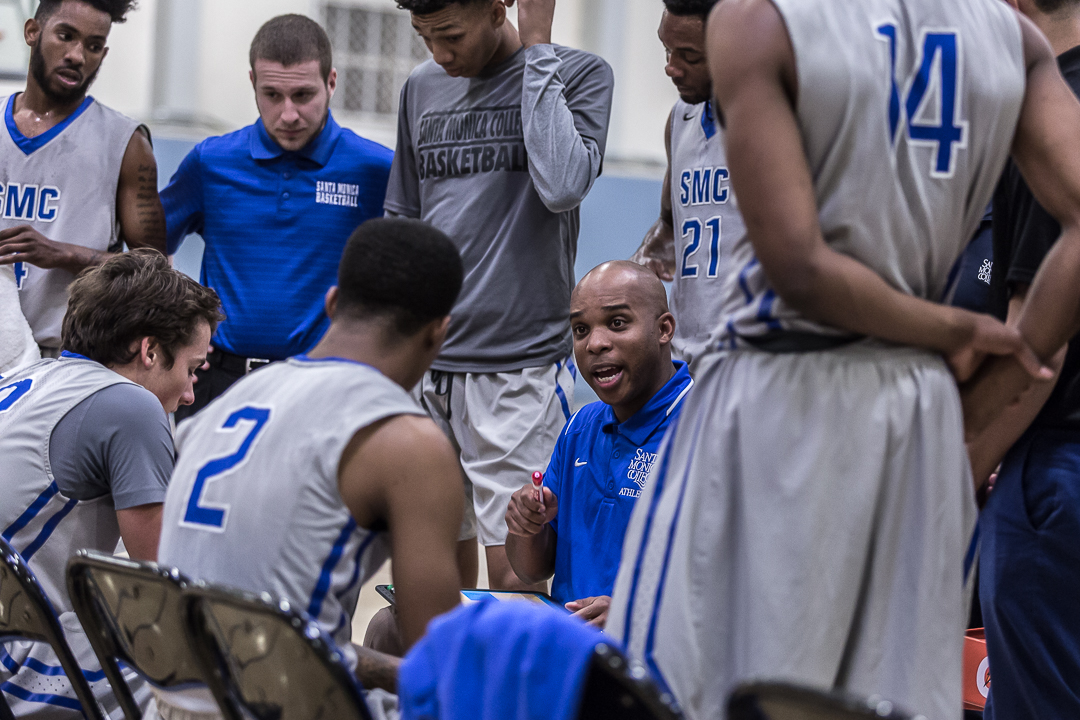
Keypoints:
pixel 205 517
pixel 938 69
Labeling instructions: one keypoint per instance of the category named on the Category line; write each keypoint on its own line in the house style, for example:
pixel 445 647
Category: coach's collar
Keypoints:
pixel 640 426
pixel 318 150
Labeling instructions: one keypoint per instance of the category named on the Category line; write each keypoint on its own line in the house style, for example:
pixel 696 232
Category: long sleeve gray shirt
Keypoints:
pixel 501 163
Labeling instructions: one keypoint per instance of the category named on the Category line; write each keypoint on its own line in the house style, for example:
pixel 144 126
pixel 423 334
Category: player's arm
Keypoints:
pixel 988 449
pixel 565 128
pixel 657 251
pixel 404 473
pixel 753 69
pixel 530 539
pixel 140 527
pixel 1046 149
pixel 138 206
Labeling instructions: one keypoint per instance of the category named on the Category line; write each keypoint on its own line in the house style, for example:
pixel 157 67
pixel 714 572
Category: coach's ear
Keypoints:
pixel 331 302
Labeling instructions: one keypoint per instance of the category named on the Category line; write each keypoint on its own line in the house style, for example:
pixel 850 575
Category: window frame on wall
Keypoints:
pixel 375 50
pixel 24 10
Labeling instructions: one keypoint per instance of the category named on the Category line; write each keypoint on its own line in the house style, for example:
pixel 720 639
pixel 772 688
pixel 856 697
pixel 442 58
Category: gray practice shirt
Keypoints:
pixel 501 163
pixel 116 441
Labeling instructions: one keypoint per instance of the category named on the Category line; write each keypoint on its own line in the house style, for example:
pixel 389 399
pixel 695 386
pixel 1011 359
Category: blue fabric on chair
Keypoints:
pixel 498 661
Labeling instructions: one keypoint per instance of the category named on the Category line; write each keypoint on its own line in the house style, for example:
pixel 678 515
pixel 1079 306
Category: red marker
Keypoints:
pixel 538 487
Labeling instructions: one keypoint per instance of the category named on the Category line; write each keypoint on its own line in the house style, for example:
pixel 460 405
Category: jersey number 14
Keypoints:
pixel 937 78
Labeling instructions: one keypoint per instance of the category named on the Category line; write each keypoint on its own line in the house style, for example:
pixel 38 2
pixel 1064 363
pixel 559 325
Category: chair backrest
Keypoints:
pixel 618 687
pixel 783 701
pixel 269 659
pixel 133 612
pixel 26 613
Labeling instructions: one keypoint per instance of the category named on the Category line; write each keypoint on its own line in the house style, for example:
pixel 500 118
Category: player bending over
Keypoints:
pixel 622 343
pixel 87 449
pixel 813 509
pixel 324 465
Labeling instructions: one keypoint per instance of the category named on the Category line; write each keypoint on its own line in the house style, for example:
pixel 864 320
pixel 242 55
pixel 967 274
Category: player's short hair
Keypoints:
pixel 132 296
pixel 426 7
pixel 117 9
pixel 689 7
pixel 290 40
pixel 404 270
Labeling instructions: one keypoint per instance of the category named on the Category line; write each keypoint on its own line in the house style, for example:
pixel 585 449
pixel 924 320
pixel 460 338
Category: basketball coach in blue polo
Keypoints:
pixel 275 203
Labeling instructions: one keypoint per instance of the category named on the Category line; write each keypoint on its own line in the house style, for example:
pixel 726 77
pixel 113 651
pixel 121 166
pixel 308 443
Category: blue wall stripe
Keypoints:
pixel 323 585
pixel 57 700
pixel 48 529
pixel 31 512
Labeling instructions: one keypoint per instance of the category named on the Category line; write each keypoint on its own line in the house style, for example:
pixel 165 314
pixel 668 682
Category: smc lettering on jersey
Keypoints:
pixel 29 202
pixel 704 185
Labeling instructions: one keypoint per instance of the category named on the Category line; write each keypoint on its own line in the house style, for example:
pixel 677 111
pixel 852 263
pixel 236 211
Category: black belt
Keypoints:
pixel 786 341
pixel 235 364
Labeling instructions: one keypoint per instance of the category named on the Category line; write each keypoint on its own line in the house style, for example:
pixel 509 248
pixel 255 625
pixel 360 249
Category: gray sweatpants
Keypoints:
pixel 807 520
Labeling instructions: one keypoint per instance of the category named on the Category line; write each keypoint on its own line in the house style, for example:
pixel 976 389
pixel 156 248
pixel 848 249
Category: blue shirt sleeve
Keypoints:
pixel 553 476
pixel 183 201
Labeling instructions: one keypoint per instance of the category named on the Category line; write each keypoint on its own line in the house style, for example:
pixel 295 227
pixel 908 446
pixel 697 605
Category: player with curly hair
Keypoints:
pixel 77 179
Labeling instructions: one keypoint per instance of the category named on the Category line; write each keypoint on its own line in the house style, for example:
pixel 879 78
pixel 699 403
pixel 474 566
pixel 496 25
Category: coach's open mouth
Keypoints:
pixel 607 376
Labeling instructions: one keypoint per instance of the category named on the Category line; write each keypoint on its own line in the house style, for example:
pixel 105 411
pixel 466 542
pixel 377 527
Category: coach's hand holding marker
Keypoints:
pixel 534 21
pixel 531 508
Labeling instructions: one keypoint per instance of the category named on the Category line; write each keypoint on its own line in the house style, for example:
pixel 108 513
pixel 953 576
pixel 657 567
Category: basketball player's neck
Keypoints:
pixel 1062 30
pixel 36 112
pixel 509 43
pixel 371 344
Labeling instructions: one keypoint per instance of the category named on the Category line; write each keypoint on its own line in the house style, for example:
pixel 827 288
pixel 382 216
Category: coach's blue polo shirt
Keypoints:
pixel 598 470
pixel 275 224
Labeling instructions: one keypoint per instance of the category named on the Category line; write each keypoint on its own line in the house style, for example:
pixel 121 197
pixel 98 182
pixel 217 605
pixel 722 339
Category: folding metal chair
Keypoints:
pixel 783 701
pixel 266 658
pixel 134 613
pixel 27 614
pixel 617 687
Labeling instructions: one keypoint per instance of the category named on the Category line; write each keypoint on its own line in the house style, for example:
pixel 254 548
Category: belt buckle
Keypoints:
pixel 254 364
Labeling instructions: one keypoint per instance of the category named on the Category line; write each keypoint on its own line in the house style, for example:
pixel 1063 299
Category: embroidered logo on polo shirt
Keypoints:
pixel 333 193
pixel 638 471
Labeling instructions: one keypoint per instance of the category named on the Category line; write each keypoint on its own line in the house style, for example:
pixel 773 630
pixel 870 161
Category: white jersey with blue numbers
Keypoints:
pixel 708 230
pixel 36 519
pixel 254 501
pixel 63 184
pixel 907 110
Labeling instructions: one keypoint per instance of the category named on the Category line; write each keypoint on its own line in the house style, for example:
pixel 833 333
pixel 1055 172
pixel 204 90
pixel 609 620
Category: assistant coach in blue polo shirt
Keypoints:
pixel 622 342
pixel 275 203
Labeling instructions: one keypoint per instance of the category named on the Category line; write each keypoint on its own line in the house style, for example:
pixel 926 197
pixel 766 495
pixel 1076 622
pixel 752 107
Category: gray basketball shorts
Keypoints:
pixel 504 427
pixel 807 520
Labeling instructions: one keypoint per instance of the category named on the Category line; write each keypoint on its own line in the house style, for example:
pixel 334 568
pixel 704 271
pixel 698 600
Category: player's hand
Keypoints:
pixel 592 610
pixel 661 263
pixel 535 18
pixel 25 244
pixel 986 336
pixel 525 516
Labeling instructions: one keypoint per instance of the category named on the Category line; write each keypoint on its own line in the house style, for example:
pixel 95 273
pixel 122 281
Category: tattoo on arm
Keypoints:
pixel 148 211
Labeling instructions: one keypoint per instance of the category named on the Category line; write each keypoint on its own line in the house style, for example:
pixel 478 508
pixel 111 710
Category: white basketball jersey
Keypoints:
pixel 708 228
pixel 253 502
pixel 63 184
pixel 36 519
pixel 907 110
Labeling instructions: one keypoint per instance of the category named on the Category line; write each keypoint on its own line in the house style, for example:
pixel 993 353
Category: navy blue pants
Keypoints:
pixel 1030 580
